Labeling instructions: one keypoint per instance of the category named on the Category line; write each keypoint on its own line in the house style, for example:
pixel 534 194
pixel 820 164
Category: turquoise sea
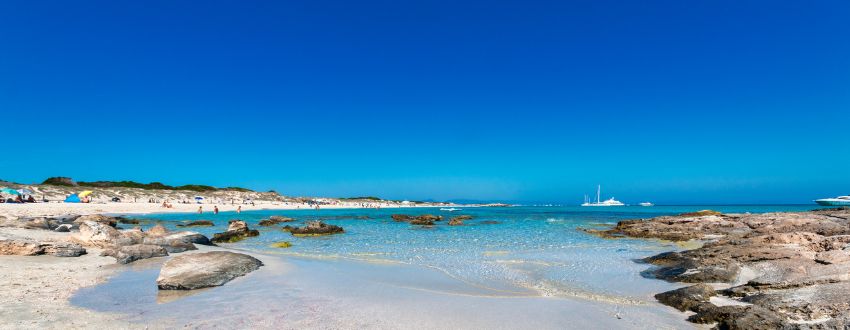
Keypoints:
pixel 534 253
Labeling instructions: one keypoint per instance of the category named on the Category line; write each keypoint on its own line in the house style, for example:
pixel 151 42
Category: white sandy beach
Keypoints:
pixel 13 210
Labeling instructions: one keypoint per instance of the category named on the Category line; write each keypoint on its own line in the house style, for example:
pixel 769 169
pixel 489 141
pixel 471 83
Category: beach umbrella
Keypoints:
pixel 198 198
pixel 85 193
pixel 9 191
pixel 25 191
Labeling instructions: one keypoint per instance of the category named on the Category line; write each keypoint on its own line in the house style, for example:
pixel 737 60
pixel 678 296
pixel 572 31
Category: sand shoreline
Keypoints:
pixel 36 289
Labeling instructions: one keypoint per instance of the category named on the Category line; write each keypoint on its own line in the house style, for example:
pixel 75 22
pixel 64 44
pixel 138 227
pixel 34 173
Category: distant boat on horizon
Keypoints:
pixel 609 202
pixel 646 204
pixel 837 201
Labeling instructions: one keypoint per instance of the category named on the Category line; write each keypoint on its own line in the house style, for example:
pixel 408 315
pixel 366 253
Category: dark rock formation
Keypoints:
pixel 316 228
pixel 458 220
pixel 274 220
pixel 202 270
pixel 401 217
pixel 237 230
pixel 686 298
pixel 422 220
pixel 199 223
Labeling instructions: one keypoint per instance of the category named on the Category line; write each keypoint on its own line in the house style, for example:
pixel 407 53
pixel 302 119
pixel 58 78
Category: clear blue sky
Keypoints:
pixel 668 101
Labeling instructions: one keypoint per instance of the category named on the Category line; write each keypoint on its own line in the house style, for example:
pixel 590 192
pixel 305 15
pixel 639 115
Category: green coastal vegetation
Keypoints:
pixel 68 182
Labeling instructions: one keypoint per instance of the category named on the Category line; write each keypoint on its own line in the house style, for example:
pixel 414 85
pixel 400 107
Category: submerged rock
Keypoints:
pixel 199 223
pixel 237 230
pixel 202 270
pixel 316 228
pixel 274 220
pixel 282 245
pixel 401 217
pixel 458 220
pixel 125 221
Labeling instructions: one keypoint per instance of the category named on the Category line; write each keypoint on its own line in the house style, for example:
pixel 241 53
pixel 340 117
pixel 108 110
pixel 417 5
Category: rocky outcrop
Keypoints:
pixel 202 270
pixel 98 234
pixel 28 247
pixel 199 223
pixel 274 220
pixel 401 217
pixel 422 220
pixel 99 218
pixel 130 253
pixel 458 220
pixel 687 298
pixel 797 267
pixel 134 244
pixel 316 228
pixel 237 230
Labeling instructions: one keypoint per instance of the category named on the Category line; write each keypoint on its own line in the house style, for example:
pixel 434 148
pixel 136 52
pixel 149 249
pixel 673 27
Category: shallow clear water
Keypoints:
pixel 528 251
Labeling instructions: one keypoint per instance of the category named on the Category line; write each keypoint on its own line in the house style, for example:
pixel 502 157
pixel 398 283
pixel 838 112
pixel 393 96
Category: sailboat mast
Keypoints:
pixel 598 193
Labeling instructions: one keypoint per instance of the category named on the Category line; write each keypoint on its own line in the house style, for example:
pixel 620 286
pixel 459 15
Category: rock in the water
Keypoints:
pixel 237 230
pixel 316 228
pixel 282 245
pixel 458 220
pixel 401 217
pixel 126 221
pixel 28 247
pixel 429 217
pixel 274 220
pixel 685 299
pixel 202 270
pixel 422 222
pixel 199 223
pixel 130 253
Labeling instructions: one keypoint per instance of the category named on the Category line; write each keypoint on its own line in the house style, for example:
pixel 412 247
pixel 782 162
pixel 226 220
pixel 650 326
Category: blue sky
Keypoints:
pixel 668 101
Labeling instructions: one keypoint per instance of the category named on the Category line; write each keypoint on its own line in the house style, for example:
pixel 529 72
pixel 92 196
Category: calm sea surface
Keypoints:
pixel 522 250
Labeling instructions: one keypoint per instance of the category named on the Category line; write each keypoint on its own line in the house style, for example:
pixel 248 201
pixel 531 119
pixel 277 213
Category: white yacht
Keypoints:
pixel 599 202
pixel 837 201
pixel 646 204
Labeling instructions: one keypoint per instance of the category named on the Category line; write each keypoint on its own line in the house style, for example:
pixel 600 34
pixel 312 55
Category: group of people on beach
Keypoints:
pixel 215 209
pixel 19 199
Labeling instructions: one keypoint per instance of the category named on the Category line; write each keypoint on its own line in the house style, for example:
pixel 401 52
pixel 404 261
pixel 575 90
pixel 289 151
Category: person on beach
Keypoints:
pixel 215 209
pixel 239 209
pixel 200 209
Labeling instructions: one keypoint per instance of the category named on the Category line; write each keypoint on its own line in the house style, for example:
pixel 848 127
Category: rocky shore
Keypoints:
pixel 46 259
pixel 754 271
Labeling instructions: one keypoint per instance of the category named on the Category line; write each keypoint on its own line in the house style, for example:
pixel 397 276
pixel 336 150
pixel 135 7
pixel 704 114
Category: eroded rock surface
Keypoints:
pixel 316 228
pixel 786 270
pixel 28 247
pixel 202 270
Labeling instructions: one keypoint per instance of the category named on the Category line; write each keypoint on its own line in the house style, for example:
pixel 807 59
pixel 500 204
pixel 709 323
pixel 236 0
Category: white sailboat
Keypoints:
pixel 599 202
